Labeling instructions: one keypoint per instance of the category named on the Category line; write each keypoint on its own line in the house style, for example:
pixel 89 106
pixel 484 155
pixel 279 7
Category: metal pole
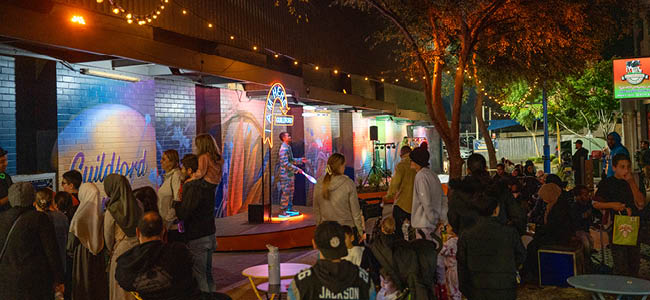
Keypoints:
pixel 547 148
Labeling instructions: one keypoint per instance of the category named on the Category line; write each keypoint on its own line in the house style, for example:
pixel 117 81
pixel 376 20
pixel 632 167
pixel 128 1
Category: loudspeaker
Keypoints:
pixel 374 133
pixel 255 213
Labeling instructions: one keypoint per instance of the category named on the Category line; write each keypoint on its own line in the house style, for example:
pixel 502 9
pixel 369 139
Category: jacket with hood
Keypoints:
pixel 342 205
pixel 197 209
pixel 617 149
pixel 330 280
pixel 462 215
pixel 158 271
pixel 428 200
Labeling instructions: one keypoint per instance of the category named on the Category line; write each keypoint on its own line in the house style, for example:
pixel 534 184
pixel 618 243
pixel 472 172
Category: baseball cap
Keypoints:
pixel 330 240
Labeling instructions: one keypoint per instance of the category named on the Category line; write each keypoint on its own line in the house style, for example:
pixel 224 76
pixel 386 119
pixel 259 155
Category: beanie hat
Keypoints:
pixel 330 240
pixel 420 156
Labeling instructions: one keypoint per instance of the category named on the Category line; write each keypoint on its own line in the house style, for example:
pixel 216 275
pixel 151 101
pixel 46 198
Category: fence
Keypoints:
pixel 519 149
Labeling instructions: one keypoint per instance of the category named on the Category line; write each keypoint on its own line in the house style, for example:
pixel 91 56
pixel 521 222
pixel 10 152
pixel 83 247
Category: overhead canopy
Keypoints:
pixel 498 124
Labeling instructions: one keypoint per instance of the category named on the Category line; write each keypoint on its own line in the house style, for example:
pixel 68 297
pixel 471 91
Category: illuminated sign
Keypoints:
pixel 630 80
pixel 277 93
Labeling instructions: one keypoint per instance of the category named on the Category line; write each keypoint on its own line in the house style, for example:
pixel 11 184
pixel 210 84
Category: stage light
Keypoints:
pixel 293 218
pixel 102 74
pixel 78 19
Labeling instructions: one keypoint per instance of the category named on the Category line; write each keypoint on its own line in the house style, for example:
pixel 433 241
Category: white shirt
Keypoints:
pixel 167 194
pixel 355 254
pixel 428 206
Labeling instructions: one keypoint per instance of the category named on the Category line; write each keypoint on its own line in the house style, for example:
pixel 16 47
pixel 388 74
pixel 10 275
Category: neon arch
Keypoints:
pixel 276 93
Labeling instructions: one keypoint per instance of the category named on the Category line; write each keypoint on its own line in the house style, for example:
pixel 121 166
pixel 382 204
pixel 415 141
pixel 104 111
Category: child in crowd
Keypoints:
pixel 355 253
pixel 65 205
pixel 448 254
pixel 619 194
pixel 210 162
pixel 582 215
pixel 388 289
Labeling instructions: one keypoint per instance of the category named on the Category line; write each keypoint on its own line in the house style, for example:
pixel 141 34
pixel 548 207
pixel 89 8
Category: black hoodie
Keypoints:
pixel 330 280
pixel 462 213
pixel 157 271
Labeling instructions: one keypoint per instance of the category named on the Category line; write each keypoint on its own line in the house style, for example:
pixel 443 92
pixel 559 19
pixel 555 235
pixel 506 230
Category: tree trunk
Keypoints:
pixel 478 111
pixel 534 135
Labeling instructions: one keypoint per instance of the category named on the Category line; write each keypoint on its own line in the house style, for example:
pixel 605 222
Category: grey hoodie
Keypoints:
pixel 342 205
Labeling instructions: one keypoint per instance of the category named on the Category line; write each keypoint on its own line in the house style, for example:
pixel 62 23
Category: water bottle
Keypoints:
pixel 405 229
pixel 273 258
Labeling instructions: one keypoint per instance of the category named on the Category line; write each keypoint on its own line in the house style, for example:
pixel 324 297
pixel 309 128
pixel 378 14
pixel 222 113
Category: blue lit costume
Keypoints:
pixel 288 170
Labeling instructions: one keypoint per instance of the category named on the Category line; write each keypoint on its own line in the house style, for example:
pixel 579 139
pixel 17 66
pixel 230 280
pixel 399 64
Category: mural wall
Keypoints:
pixel 106 126
pixel 318 145
pixel 8 110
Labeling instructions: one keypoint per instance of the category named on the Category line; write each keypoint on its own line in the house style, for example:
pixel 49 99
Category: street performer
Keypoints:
pixel 288 170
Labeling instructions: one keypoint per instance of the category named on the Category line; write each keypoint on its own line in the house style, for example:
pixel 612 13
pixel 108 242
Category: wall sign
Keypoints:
pixel 631 78
pixel 271 117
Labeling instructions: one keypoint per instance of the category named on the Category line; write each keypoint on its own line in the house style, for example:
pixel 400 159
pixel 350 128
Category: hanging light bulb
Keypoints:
pixel 316 68
pixel 232 37
pixel 365 78
pixel 336 71
pixel 255 48
pixel 100 1
pixel 295 62
pixel 116 10
pixel 129 21
pixel 276 55
pixel 210 25
pixel 155 17
pixel 185 12
pixel 128 16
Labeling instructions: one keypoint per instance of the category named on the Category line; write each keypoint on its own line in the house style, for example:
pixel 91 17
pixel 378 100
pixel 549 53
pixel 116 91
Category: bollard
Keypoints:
pixel 274 269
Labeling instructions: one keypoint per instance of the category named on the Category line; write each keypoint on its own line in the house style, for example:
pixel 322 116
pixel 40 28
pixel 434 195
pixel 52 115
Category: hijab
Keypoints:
pixel 21 194
pixel 122 204
pixel 87 223
pixel 550 193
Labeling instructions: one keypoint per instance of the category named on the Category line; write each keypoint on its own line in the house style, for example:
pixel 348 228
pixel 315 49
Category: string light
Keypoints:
pixel 78 19
pixel 276 55
pixel 382 80
pixel 316 68
pixel 210 25
pixel 365 78
pixel 349 75
pixel 336 71
pixel 185 12
pixel 116 10
pixel 254 47
pixel 232 37
pixel 295 62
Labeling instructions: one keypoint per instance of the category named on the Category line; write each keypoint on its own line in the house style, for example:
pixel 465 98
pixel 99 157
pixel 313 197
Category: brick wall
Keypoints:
pixel 99 119
pixel 8 110
pixel 175 108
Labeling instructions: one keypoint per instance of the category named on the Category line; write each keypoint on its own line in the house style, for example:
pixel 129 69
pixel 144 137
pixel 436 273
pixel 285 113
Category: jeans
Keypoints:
pixel 201 250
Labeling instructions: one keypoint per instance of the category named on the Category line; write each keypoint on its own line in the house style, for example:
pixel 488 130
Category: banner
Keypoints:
pixel 631 78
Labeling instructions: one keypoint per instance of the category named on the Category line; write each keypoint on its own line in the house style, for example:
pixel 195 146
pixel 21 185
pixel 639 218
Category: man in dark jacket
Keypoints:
pixel 156 270
pixel 489 255
pixel 462 214
pixel 31 266
pixel 331 277
pixel 196 210
pixel 578 160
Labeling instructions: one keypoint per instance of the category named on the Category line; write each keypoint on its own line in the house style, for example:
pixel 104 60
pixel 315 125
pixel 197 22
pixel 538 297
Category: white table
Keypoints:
pixel 287 271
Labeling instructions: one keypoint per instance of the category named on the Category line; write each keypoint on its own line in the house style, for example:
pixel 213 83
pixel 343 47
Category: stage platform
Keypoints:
pixel 234 233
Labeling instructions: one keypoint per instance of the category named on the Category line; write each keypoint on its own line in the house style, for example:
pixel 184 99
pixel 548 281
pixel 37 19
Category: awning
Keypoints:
pixel 498 124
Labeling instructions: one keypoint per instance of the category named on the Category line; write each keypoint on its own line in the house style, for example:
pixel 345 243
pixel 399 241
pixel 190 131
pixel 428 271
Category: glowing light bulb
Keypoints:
pixel 157 12
pixel 155 17
pixel 349 76
pixel 129 21
pixel 382 80
pixel 316 68
pixel 365 78
pixel 185 12
pixel 336 71
pixel 210 25
pixel 232 37
pixel 255 48
pixel 295 62
pixel 128 16
pixel 78 19
pixel 100 1
pixel 116 11
pixel 162 7
pixel 276 56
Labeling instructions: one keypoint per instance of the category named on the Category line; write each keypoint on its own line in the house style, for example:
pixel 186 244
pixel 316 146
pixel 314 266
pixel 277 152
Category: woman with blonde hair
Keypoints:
pixel 210 161
pixel 335 196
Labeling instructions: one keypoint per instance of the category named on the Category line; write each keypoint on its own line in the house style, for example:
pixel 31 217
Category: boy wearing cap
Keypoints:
pixel 5 181
pixel 331 277
pixel 427 211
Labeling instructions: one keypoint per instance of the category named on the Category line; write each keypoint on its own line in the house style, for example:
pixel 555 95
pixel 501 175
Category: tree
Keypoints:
pixel 496 36
pixel 523 103
pixel 586 100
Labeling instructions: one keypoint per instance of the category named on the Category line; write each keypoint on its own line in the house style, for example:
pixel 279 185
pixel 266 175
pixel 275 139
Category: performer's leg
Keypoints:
pixel 289 191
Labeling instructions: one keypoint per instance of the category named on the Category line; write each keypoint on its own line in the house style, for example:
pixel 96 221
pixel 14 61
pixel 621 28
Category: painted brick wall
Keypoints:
pixel 8 110
pixel 362 144
pixel 175 109
pixel 104 118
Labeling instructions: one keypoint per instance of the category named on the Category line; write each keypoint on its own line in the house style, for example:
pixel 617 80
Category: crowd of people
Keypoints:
pixel 136 244
pixel 486 244
pixel 480 241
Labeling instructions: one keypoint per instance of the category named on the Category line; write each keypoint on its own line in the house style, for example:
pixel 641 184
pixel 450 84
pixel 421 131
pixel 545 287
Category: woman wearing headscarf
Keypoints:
pixel 615 147
pixel 122 216
pixel 556 227
pixel 85 245
pixel 31 267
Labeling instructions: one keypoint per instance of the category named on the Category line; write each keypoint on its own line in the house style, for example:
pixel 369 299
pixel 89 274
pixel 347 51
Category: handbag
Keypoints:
pixel 4 247
pixel 626 230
